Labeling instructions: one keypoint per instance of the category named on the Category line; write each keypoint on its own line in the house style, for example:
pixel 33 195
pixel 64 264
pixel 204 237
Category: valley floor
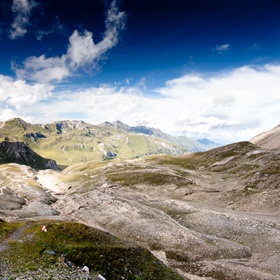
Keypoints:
pixel 194 233
pixel 212 215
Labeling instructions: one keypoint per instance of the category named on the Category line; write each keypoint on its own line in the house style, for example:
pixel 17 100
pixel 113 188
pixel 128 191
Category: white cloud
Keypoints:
pixel 243 97
pixel 98 104
pixel 44 70
pixel 222 49
pixel 235 105
pixel 82 49
pixel 82 52
pixel 6 114
pixel 19 94
pixel 224 100
pixel 21 10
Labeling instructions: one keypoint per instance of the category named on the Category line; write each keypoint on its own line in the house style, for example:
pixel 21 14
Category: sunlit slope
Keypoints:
pixel 237 174
pixel 269 139
pixel 70 142
pixel 206 211
pixel 27 252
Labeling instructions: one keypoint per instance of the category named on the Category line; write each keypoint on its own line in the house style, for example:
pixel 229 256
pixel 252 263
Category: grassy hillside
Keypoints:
pixel 27 250
pixel 69 142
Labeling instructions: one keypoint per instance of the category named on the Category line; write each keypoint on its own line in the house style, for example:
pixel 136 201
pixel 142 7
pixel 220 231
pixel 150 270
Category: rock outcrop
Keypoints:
pixel 35 136
pixel 19 152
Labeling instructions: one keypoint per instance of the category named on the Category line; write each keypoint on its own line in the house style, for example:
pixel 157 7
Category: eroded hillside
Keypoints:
pixel 210 214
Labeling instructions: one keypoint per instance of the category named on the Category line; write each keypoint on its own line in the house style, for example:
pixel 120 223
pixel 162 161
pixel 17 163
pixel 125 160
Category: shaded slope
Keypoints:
pixel 18 152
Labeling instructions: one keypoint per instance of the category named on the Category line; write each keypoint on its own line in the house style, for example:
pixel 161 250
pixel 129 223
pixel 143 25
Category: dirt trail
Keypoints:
pixel 49 179
pixel 15 235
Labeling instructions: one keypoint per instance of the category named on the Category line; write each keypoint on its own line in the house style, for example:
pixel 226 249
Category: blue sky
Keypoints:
pixel 200 68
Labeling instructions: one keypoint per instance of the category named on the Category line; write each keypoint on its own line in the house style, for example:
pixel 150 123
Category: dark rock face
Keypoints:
pixel 51 164
pixel 111 154
pixel 19 152
pixel 59 128
pixel 35 136
pixel 142 129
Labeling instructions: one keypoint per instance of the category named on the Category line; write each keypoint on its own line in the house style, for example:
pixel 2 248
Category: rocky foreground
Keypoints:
pixel 210 215
pixel 61 249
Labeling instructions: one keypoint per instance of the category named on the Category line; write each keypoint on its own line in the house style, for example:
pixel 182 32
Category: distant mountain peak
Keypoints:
pixel 16 119
pixel 121 125
pixel 205 141
pixel 15 122
pixel 106 124
pixel 74 124
pixel 72 141
pixel 117 122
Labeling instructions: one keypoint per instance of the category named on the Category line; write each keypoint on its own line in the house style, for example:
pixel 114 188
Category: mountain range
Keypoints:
pixel 206 215
pixel 69 142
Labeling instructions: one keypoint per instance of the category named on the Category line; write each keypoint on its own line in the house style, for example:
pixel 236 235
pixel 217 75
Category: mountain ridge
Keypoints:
pixel 69 142
pixel 268 139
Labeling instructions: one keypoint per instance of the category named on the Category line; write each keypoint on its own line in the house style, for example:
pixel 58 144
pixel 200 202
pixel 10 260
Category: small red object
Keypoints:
pixel 44 228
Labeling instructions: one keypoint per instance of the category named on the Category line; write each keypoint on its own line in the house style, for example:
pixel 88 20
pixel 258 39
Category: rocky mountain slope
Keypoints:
pixel 70 142
pixel 18 152
pixel 207 215
pixel 27 202
pixel 190 144
pixel 269 139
